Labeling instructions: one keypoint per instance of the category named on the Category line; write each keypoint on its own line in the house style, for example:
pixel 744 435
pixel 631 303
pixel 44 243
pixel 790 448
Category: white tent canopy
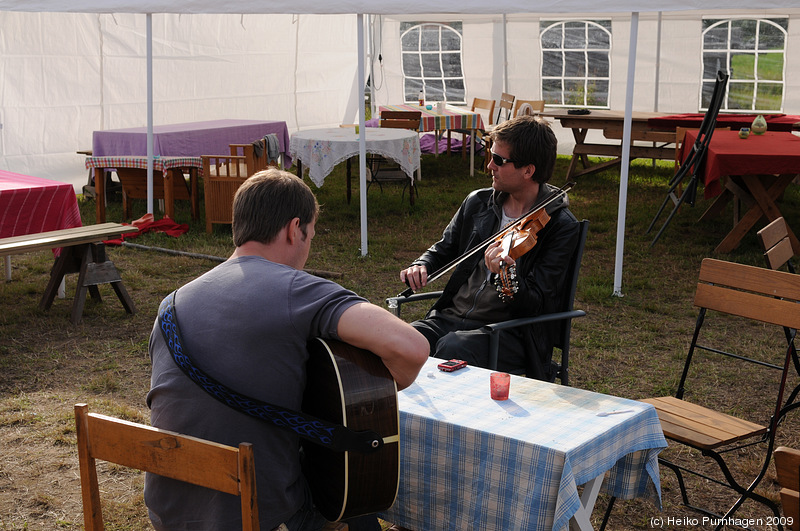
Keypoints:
pixel 386 7
pixel 314 68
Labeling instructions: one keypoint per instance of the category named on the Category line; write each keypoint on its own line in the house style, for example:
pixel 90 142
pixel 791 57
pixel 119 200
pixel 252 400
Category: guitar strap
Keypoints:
pixel 336 437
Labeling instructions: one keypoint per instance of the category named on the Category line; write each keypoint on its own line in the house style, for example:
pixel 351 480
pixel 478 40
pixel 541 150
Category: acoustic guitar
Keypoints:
pixel 351 386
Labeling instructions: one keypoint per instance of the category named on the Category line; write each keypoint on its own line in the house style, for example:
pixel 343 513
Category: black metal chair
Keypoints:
pixel 565 315
pixel 693 163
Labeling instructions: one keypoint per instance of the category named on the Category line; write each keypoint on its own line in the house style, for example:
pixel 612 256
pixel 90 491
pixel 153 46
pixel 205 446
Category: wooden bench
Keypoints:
pixel 83 252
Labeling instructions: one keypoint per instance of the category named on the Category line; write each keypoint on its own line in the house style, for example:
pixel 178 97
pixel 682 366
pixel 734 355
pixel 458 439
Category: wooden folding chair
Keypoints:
pixel 776 244
pixel 506 104
pixel 787 468
pixel 197 461
pixel 748 292
pixel 222 176
pixel 478 105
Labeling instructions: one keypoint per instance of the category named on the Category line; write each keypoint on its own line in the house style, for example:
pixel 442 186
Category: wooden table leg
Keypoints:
pixel 349 178
pixel 100 194
pixel 193 186
pixel 752 188
pixel 169 193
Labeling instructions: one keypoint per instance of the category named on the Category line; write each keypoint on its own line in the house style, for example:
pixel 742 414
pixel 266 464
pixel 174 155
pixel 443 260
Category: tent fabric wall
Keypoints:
pixel 680 61
pixel 65 75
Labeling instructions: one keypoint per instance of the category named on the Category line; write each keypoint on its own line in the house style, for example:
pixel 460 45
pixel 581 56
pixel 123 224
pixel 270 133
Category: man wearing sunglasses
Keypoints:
pixel 523 159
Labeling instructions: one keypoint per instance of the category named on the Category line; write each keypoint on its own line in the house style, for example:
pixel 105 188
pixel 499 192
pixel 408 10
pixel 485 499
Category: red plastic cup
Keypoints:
pixel 499 384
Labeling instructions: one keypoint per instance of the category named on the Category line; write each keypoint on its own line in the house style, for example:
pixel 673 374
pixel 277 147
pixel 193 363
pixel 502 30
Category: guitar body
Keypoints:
pixel 351 386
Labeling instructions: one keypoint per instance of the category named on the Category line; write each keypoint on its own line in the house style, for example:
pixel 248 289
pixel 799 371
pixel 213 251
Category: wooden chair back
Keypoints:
pixel 253 163
pixel 480 104
pixel 506 104
pixel 777 247
pixel 523 106
pixel 197 461
pixel 222 176
pixel 787 468
pixel 401 119
pixel 748 291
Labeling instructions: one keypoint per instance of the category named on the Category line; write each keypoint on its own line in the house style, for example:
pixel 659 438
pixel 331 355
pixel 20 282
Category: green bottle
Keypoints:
pixel 759 125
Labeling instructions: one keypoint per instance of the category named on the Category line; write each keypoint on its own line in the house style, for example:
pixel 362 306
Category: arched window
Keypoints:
pixel 752 51
pixel 575 62
pixel 431 55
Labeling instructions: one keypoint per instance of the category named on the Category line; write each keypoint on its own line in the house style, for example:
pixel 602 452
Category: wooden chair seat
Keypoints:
pixel 702 427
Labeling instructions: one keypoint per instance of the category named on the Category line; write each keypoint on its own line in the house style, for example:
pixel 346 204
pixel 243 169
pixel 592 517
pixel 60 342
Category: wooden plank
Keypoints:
pixel 63 238
pixel 751 278
pixel 645 135
pixel 699 426
pixel 163 452
pixel 780 312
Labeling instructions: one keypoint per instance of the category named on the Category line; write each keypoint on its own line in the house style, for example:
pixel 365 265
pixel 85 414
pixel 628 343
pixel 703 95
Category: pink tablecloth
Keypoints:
pixel 772 153
pixel 31 204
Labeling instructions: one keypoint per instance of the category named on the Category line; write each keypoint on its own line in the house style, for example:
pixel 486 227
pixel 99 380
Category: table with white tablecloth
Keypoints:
pixel 320 150
pixel 470 462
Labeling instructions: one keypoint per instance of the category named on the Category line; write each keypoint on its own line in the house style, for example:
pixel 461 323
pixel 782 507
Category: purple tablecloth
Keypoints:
pixel 190 139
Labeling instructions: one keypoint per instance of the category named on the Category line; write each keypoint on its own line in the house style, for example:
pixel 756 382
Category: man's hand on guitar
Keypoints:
pixel 415 276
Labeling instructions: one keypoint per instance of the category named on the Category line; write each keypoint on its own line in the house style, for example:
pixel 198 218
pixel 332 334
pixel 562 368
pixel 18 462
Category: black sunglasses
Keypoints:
pixel 498 160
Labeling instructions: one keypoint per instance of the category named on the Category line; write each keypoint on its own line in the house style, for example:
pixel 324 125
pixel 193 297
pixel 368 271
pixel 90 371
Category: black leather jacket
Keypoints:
pixel 541 270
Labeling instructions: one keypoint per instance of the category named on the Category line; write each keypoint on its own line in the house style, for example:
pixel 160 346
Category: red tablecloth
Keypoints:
pixel 31 204
pixel 772 153
pixel 775 122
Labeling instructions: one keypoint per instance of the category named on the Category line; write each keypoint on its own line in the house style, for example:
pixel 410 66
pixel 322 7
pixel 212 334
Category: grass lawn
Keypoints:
pixel 630 346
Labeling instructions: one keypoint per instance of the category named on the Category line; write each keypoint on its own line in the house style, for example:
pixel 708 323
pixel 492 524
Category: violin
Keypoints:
pixel 516 240
pixel 530 222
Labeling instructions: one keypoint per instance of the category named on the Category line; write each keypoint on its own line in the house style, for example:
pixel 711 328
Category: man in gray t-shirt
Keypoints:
pixel 246 324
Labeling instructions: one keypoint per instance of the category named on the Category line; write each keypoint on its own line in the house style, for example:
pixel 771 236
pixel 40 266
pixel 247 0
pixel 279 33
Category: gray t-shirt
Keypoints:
pixel 245 323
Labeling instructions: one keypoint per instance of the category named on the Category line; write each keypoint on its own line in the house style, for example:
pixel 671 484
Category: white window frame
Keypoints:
pixel 586 80
pixel 411 96
pixel 730 50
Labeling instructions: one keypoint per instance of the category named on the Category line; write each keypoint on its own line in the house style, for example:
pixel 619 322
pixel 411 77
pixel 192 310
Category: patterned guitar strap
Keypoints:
pixel 333 436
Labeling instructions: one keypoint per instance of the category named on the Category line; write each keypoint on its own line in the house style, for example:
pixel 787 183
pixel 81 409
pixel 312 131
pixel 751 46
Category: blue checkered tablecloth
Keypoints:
pixel 469 462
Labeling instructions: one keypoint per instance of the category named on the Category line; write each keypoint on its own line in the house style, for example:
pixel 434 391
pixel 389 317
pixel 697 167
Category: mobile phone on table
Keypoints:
pixel 452 365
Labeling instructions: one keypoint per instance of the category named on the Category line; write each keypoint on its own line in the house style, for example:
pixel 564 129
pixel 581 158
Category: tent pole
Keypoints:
pixel 626 155
pixel 362 143
pixel 150 113
pixel 658 61
pixel 505 55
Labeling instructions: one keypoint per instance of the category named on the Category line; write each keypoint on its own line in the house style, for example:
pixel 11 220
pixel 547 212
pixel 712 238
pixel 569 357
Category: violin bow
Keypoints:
pixel 484 244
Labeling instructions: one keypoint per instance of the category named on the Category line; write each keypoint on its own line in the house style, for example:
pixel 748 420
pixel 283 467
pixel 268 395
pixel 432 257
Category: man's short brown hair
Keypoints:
pixel 267 201
pixel 531 141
